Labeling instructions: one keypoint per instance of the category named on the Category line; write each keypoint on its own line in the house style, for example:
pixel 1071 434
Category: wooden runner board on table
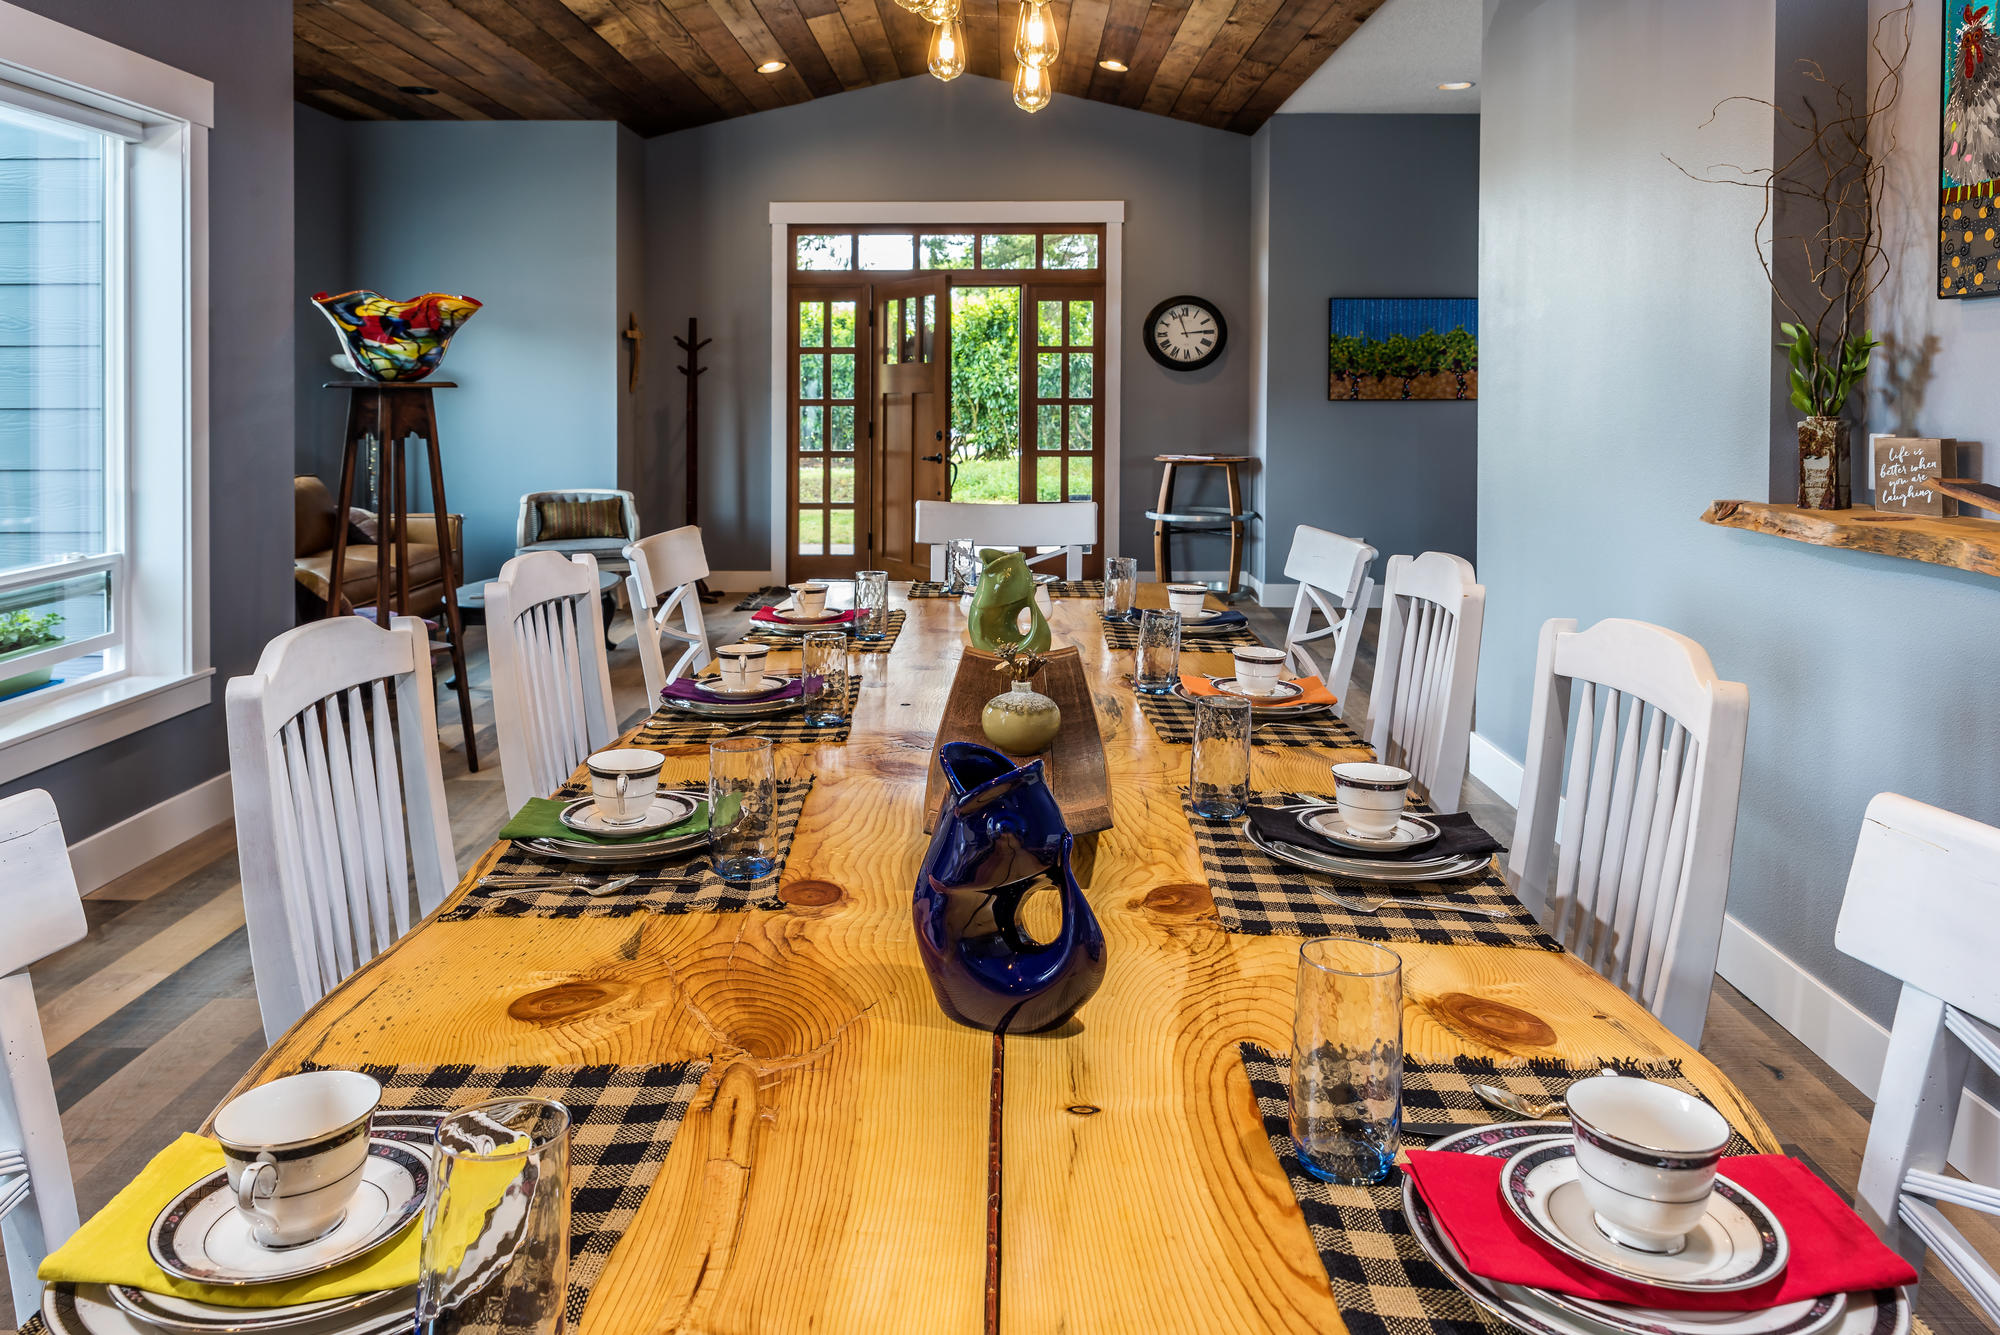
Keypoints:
pixel 1073 764
pixel 853 1161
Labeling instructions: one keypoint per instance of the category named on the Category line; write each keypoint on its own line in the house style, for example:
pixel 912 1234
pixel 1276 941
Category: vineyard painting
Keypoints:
pixel 1403 348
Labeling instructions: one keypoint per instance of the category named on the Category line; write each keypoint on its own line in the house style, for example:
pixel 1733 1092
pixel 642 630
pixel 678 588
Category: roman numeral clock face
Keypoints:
pixel 1185 333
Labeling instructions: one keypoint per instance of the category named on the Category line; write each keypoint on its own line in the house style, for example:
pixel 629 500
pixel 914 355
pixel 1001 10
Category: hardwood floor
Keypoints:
pixel 153 1017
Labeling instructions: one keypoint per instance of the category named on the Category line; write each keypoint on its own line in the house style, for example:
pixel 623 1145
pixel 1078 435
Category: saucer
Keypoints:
pixel 172 1312
pixel 1286 691
pixel 669 808
pixel 1738 1244
pixel 798 618
pixel 202 1236
pixel 92 1309
pixel 1411 833
pixel 1196 618
pixel 766 685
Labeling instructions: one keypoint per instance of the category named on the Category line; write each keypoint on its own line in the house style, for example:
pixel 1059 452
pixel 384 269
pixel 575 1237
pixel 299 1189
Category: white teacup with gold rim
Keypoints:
pixel 1646 1157
pixel 1370 797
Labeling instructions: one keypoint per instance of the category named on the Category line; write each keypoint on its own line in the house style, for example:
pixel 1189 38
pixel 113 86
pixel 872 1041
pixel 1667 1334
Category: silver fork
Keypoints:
pixel 1354 905
pixel 505 882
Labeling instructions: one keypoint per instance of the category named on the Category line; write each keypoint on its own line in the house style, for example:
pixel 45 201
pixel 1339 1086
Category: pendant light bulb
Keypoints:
pixel 939 11
pixel 1035 35
pixel 948 50
pixel 1032 90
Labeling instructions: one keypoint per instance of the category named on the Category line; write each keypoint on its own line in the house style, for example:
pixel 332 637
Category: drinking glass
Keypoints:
pixel 961 565
pixel 742 808
pixel 1219 770
pixel 1121 585
pixel 871 604
pixel 1347 1060
pixel 495 1250
pixel 824 678
pixel 1159 667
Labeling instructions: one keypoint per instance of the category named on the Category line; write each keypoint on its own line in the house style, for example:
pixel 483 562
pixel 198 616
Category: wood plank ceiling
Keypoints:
pixel 661 65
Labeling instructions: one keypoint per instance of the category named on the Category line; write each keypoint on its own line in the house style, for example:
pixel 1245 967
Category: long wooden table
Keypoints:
pixel 856 1161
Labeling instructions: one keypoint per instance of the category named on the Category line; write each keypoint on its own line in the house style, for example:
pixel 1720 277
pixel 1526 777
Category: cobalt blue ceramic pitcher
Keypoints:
pixel 1000 837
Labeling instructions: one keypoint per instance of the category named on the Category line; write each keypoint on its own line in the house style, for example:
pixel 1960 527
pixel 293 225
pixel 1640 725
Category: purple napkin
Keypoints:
pixel 685 688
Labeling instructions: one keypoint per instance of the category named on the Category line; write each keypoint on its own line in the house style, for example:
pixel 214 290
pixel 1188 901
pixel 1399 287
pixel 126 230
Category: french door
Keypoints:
pixel 827 433
pixel 911 323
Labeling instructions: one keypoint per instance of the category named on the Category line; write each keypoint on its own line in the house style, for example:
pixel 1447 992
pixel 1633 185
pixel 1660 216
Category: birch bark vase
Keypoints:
pixel 1823 468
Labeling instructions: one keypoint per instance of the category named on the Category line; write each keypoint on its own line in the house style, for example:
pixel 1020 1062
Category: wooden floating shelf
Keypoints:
pixel 1962 543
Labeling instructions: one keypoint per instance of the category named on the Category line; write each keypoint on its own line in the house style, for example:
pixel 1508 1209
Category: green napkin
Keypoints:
pixel 541 818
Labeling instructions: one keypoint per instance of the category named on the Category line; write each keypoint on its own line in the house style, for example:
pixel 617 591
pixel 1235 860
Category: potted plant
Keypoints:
pixel 23 633
pixel 1822 378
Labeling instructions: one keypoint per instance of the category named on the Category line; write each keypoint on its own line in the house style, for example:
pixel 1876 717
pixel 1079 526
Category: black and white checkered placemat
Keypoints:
pixel 779 639
pixel 1381 1279
pixel 1125 635
pixel 1172 717
pixel 672 727
pixel 1062 588
pixel 1260 896
pixel 622 1122
pixel 683 885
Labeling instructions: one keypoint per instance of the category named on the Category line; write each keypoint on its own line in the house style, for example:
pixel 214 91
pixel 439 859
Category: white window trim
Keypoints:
pixel 167 620
pixel 1036 213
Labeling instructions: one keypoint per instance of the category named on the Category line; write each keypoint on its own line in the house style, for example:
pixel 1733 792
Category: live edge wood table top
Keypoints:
pixel 856 1161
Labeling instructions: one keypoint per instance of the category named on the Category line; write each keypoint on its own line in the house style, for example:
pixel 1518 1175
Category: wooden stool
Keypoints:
pixel 386 413
pixel 1199 518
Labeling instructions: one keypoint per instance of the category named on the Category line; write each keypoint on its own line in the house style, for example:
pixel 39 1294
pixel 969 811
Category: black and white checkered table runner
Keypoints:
pixel 779 639
pixel 661 887
pixel 1260 896
pixel 672 727
pixel 1172 718
pixel 1125 635
pixel 1062 588
pixel 1381 1279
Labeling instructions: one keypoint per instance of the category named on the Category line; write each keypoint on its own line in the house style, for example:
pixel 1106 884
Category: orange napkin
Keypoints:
pixel 1315 691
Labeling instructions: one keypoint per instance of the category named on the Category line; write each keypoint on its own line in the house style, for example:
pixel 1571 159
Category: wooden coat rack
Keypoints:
pixel 694 370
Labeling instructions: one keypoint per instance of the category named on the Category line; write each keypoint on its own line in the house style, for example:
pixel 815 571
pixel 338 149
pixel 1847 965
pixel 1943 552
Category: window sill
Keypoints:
pixel 73 724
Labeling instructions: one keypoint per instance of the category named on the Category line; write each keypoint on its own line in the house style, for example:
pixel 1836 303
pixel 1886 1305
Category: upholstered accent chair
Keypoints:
pixel 599 521
pixel 315 516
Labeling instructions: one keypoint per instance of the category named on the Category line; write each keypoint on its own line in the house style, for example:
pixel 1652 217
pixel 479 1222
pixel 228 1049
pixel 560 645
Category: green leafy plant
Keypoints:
pixel 1822 378
pixel 27 630
pixel 985 374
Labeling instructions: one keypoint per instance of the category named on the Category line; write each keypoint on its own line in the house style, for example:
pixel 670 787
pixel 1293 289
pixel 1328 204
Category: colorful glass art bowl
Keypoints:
pixel 395 340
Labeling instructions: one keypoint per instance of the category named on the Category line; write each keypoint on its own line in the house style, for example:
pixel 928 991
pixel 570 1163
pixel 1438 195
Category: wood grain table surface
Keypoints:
pixel 858 1162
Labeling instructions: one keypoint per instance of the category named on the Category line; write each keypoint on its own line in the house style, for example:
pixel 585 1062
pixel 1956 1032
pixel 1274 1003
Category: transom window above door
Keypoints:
pixel 1026 251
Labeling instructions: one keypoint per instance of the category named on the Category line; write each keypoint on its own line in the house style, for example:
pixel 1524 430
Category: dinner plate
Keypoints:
pixel 88 1309
pixel 618 855
pixel 731 709
pixel 799 618
pixel 1370 869
pixel 766 684
pixel 1412 832
pixel 801 627
pixel 1197 618
pixel 1285 692
pixel 171 1312
pixel 669 808
pixel 1738 1244
pixel 1206 623
pixel 203 1236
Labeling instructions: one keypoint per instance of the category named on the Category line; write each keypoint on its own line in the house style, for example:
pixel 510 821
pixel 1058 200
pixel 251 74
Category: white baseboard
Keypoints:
pixel 1831 1027
pixel 102 858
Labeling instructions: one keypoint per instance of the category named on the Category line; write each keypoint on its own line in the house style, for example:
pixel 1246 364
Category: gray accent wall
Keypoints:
pixel 245 48
pixel 1362 206
pixel 1625 381
pixel 323 258
pixel 708 254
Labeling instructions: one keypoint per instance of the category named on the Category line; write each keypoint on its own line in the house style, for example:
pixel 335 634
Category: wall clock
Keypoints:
pixel 1185 333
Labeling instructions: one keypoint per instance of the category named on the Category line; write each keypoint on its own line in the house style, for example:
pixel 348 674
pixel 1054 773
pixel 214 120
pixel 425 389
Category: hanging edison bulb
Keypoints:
pixel 948 49
pixel 1035 40
pixel 939 11
pixel 1032 88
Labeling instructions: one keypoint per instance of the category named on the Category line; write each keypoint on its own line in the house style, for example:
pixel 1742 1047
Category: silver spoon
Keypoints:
pixel 1535 1110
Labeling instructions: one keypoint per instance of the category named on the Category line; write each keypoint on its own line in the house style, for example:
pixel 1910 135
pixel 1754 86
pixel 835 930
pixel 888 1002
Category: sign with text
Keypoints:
pixel 1904 466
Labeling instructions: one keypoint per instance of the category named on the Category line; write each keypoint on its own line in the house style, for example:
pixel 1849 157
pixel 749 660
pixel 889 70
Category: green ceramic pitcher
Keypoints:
pixel 1005 587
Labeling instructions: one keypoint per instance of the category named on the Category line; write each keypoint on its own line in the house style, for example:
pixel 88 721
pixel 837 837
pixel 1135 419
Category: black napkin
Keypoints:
pixel 1458 836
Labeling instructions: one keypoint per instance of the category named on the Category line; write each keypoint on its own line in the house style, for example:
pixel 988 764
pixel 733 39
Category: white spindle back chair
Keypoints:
pixel 551 686
pixel 666 568
pixel 1426 671
pixel 43 913
pixel 1070 527
pixel 1333 580
pixel 339 797
pixel 1648 816
pixel 1923 906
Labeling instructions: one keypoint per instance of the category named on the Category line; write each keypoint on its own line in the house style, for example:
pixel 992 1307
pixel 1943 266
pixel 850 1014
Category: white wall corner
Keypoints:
pixel 101 858
pixel 1496 769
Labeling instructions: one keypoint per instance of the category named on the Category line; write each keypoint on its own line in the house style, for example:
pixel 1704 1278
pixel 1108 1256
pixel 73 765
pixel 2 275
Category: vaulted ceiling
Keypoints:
pixel 660 65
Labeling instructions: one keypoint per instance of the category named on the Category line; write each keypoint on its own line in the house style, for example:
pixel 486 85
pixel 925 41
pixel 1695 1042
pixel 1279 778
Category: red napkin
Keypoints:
pixel 1833 1251
pixel 837 619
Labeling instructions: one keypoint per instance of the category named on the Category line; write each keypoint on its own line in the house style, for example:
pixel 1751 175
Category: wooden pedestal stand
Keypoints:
pixel 385 414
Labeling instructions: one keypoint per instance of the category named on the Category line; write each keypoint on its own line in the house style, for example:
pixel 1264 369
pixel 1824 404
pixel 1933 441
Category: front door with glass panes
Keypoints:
pixel 986 342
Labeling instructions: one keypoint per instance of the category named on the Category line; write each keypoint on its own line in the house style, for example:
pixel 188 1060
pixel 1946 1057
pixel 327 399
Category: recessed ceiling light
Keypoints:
pixel 770 67
pixel 1457 87
pixel 1115 66
pixel 417 90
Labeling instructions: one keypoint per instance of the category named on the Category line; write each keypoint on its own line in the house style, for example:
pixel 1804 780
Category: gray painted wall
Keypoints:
pixel 323 259
pixel 1624 375
pixel 708 192
pixel 1365 206
pixel 245 48
pixel 521 215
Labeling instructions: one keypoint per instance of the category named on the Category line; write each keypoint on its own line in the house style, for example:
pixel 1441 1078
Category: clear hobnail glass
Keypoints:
pixel 1347 1060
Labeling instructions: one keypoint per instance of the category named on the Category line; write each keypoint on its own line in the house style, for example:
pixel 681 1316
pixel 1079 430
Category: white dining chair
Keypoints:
pixel 1426 671
pixel 551 686
pixel 1068 528
pixel 1922 905
pixel 1654 741
pixel 339 803
pixel 667 569
pixel 1333 580
pixel 43 912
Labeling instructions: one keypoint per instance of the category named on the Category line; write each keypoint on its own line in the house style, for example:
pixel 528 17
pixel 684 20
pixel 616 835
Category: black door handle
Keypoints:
pixel 934 458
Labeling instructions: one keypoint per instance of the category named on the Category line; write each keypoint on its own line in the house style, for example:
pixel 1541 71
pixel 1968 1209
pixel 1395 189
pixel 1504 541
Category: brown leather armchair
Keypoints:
pixel 315 520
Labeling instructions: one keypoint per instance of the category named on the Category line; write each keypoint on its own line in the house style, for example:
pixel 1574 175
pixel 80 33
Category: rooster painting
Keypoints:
pixel 1969 150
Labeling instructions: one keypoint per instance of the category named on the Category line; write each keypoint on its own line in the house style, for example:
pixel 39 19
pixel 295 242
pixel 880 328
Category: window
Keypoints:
pixel 103 333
